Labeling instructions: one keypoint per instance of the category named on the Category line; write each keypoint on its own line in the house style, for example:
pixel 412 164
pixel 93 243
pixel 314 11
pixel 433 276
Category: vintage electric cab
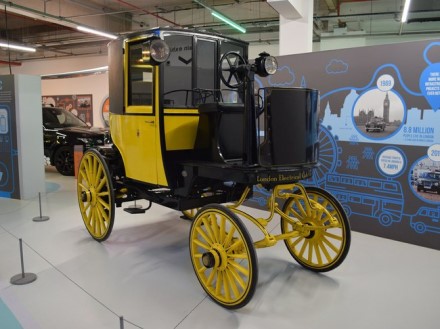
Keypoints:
pixel 192 133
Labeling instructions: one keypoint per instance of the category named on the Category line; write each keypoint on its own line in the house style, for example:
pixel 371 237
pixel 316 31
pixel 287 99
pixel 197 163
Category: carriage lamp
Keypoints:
pixel 266 64
pixel 159 50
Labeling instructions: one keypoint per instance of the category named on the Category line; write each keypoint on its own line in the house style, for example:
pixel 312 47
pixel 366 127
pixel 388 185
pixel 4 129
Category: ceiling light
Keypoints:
pixel 405 10
pixel 228 21
pixel 221 17
pixel 16 47
pixel 92 31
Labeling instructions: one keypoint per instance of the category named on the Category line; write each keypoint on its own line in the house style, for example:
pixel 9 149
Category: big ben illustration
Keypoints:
pixel 386 109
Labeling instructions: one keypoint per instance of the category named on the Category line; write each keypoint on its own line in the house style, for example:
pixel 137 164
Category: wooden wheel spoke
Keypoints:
pixel 101 185
pixel 317 252
pixel 210 278
pixel 233 283
pixel 237 278
pixel 330 245
pixel 324 251
pixel 103 212
pixel 215 228
pixel 222 233
pixel 333 236
pixel 202 233
pixel 238 256
pixel 240 268
pixel 235 245
pixel 201 244
pixel 303 248
pixel 310 251
pixel 207 224
pixel 297 241
pixel 219 283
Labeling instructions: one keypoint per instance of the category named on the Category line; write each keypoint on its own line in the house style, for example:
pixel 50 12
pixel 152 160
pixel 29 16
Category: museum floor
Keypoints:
pixel 143 272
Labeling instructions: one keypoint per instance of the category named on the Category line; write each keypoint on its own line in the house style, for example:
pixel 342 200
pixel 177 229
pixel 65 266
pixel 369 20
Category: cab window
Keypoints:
pixel 140 78
pixel 177 77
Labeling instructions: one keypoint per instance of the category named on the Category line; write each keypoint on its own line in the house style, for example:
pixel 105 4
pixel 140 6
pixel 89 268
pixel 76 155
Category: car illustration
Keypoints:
pixel 63 130
pixel 375 124
pixel 429 181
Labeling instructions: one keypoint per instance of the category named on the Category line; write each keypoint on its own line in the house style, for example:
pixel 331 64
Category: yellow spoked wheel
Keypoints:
pixel 95 195
pixel 322 248
pixel 223 256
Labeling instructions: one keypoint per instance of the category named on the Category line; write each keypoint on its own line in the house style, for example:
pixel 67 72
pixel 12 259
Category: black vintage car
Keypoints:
pixel 375 124
pixel 62 130
pixel 429 181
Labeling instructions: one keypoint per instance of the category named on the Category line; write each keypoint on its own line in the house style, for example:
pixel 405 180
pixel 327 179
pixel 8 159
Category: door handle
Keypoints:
pixel 146 121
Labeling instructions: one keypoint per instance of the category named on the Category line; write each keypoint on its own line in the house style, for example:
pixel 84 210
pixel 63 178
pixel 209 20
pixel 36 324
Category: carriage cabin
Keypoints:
pixel 154 108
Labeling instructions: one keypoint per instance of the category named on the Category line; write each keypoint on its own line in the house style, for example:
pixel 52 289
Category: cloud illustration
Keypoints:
pixel 336 66
pixel 283 78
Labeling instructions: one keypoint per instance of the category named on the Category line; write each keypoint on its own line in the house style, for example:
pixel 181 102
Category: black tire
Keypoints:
pixel 63 161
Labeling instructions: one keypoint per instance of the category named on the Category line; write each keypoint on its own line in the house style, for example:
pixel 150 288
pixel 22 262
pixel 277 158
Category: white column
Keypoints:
pixel 296 25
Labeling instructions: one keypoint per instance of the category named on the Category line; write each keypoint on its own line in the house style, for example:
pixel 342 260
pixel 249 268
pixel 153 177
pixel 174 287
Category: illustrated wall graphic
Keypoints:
pixel 380 137
pixel 9 183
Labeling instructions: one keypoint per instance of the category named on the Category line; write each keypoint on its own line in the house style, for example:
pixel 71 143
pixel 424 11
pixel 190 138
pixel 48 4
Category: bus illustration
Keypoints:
pixel 371 197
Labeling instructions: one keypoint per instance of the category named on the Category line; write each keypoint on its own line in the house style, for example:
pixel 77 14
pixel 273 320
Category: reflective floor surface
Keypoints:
pixel 142 276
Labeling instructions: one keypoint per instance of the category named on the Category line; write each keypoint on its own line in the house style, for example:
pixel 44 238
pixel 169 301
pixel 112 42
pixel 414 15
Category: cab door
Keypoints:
pixel 135 132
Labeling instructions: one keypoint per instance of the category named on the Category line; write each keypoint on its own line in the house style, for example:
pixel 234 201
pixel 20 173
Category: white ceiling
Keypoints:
pixel 50 24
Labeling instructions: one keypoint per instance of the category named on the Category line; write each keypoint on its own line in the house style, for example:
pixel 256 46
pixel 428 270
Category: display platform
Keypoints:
pixel 143 272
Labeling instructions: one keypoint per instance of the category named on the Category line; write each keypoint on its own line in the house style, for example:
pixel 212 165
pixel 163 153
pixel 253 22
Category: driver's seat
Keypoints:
pixel 220 131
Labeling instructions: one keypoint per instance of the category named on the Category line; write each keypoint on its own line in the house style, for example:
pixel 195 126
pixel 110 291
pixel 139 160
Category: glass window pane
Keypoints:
pixel 140 80
pixel 178 72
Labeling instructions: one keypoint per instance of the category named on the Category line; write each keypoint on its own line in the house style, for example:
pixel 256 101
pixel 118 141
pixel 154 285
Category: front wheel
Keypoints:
pixel 324 245
pixel 223 256
pixel 96 197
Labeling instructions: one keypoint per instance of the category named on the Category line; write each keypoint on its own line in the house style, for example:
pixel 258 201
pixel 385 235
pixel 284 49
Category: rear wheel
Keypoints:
pixel 96 197
pixel 63 160
pixel 322 248
pixel 223 256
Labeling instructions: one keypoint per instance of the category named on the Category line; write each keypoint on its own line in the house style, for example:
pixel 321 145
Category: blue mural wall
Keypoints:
pixel 380 134
pixel 9 183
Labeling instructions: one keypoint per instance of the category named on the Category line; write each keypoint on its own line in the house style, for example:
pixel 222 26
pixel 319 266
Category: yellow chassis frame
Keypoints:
pixel 280 191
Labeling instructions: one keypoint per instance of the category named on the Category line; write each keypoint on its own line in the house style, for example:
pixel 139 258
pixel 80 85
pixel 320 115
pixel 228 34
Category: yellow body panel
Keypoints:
pixel 135 137
pixel 180 132
pixel 139 109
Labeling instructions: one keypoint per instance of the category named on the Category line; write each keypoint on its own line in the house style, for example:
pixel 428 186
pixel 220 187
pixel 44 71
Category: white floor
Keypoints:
pixel 143 272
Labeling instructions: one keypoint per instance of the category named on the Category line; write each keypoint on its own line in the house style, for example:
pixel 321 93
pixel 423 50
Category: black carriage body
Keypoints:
pixel 234 145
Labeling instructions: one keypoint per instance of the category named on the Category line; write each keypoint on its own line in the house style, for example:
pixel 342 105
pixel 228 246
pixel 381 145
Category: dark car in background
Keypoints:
pixel 429 181
pixel 62 130
pixel 375 124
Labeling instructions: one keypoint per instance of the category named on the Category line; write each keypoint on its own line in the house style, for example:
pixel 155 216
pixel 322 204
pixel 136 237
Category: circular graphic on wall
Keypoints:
pixel 424 178
pixel 379 112
pixel 105 111
pixel 391 161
